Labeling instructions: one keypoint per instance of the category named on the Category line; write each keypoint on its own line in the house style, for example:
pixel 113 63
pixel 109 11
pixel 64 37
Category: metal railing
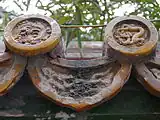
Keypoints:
pixel 94 26
pixel 86 26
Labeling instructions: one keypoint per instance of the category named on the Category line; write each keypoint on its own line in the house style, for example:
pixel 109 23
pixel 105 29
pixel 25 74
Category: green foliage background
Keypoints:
pixel 85 12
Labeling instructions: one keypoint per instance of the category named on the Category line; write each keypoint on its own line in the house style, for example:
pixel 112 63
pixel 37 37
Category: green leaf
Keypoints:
pixel 69 34
pixel 78 16
pixel 64 19
pixel 79 43
pixel 79 39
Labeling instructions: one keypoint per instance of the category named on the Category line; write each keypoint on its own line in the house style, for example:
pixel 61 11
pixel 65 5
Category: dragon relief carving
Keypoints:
pixel 130 34
pixel 31 31
pixel 76 87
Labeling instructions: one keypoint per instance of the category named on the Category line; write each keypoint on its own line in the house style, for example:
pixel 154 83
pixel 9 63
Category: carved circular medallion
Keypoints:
pixel 32 34
pixel 31 31
pixel 131 35
pixel 134 34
